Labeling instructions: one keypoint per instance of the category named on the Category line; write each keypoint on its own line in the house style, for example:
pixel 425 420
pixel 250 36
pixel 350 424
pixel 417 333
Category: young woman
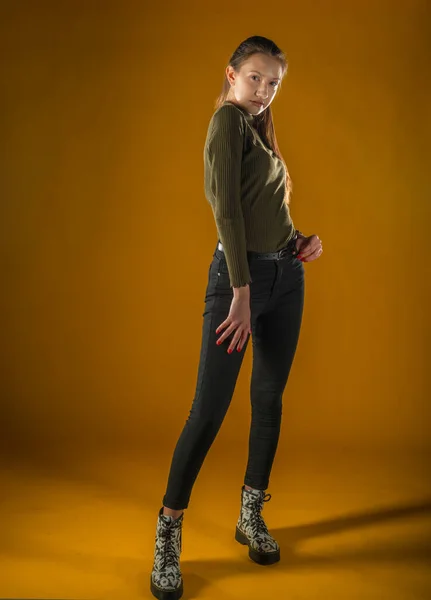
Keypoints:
pixel 255 286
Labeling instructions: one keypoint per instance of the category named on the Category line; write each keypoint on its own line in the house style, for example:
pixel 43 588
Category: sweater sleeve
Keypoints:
pixel 225 148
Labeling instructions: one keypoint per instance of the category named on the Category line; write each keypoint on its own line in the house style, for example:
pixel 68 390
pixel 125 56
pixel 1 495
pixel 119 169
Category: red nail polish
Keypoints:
pixel 230 351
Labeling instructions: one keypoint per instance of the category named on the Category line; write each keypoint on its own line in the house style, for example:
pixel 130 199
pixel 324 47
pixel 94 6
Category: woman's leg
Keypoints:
pixel 275 338
pixel 217 375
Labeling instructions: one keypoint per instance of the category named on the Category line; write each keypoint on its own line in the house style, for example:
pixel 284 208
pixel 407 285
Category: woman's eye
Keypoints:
pixel 273 83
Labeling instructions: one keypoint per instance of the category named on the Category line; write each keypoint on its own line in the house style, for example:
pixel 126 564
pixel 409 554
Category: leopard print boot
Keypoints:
pixel 252 531
pixel 166 578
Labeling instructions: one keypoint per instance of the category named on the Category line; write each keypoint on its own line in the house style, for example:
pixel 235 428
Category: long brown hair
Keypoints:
pixel 263 123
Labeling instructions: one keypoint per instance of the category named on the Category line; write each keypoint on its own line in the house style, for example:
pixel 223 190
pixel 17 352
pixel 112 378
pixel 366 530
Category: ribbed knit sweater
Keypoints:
pixel 245 183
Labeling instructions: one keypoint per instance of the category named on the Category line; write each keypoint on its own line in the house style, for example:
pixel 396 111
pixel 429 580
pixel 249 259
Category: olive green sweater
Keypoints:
pixel 245 183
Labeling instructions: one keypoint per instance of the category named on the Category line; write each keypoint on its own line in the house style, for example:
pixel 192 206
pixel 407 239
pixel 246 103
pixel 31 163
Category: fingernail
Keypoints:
pixel 230 351
pixel 218 342
pixel 239 349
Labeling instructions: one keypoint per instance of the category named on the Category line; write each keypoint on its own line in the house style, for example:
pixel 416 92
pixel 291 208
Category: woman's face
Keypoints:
pixel 256 84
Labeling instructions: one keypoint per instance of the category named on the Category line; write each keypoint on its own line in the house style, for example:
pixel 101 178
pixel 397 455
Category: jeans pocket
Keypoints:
pixel 222 266
pixel 223 278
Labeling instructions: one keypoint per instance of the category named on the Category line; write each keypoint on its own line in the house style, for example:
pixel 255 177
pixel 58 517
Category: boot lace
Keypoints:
pixel 257 524
pixel 170 558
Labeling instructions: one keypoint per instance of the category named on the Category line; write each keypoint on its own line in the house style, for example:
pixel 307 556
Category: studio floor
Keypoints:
pixel 350 526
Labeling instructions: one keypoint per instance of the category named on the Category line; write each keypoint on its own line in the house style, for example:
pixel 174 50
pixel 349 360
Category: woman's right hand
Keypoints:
pixel 238 320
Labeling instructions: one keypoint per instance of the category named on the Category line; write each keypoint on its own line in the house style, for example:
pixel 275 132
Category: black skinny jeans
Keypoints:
pixel 276 300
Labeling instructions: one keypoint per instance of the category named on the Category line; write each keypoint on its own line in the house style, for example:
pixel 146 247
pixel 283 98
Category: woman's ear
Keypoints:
pixel 230 74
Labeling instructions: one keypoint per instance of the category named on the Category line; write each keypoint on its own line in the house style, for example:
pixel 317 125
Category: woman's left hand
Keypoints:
pixel 309 247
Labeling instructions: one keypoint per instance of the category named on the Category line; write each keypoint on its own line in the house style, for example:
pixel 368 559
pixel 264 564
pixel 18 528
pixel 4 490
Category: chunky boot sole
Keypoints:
pixel 166 594
pixel 261 558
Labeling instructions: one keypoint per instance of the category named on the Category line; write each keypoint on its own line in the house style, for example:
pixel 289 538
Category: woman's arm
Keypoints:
pixel 225 148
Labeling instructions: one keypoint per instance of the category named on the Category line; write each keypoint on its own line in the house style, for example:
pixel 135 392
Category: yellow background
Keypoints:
pixel 107 238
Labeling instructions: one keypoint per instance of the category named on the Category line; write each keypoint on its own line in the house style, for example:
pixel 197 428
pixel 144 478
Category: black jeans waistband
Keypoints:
pixel 290 249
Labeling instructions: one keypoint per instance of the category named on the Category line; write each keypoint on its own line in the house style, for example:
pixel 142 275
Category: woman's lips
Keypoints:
pixel 257 103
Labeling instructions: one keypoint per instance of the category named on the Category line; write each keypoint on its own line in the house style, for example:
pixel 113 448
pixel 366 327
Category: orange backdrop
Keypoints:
pixel 107 235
